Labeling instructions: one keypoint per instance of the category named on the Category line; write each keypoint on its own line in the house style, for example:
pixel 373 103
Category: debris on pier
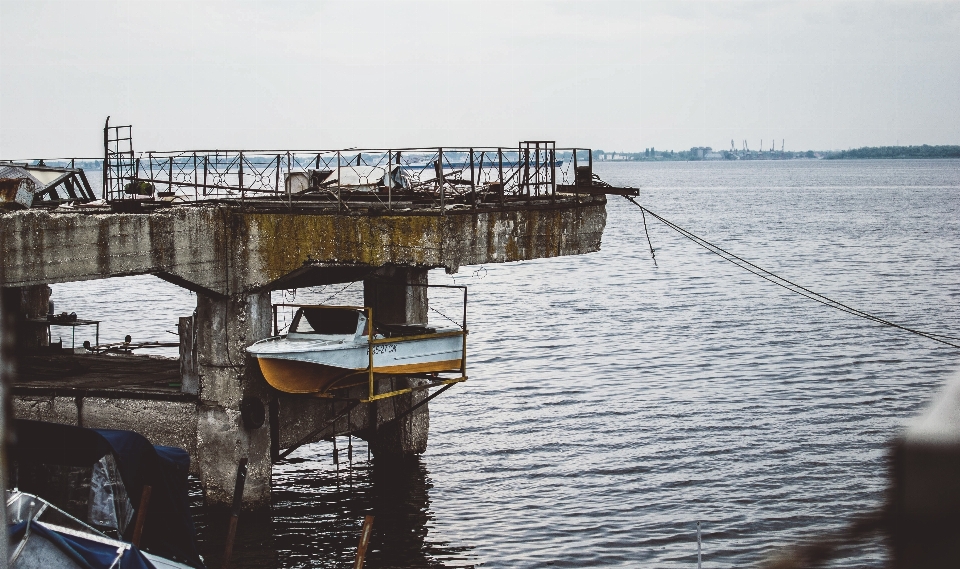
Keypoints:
pixel 23 185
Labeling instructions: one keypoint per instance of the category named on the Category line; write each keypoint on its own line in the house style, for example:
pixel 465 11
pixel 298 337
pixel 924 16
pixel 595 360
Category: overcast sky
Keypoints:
pixel 610 75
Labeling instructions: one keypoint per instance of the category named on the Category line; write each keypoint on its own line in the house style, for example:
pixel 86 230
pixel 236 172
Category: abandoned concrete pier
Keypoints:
pixel 232 254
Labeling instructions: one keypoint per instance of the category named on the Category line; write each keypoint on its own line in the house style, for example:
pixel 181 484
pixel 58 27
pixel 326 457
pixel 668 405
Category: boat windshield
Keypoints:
pixel 341 321
pixel 22 507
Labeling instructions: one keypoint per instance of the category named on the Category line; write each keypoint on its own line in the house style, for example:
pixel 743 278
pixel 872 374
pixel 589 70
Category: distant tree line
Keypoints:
pixel 707 153
pixel 925 151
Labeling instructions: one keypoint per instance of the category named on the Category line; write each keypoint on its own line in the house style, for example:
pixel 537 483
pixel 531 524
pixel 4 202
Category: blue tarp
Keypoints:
pixel 84 552
pixel 168 529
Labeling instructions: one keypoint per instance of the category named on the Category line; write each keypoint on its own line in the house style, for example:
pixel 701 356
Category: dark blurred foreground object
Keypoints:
pixel 924 506
pixel 921 517
pixel 76 492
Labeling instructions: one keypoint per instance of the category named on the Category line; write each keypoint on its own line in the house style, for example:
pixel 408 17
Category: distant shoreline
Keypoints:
pixel 706 153
pixel 897 152
pixel 696 154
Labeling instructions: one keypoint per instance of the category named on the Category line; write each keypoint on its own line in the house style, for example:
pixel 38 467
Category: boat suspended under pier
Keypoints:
pixel 330 348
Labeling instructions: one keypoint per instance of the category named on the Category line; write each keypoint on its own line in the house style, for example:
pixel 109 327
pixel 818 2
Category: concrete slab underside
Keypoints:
pixel 228 251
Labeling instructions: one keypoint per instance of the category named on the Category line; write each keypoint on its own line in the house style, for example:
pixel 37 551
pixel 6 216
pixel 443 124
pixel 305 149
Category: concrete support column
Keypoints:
pixel 30 302
pixel 395 301
pixel 404 438
pixel 392 298
pixel 7 372
pixel 232 422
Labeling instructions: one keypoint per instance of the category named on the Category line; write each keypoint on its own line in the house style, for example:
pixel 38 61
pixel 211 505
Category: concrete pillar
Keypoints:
pixel 29 302
pixel 404 438
pixel 395 301
pixel 7 370
pixel 392 298
pixel 232 422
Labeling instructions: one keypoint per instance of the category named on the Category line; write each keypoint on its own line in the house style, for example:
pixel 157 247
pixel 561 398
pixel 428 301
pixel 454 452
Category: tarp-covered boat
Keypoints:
pixel 77 492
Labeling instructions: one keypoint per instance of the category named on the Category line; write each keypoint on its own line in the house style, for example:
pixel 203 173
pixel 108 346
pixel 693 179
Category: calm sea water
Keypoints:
pixel 614 403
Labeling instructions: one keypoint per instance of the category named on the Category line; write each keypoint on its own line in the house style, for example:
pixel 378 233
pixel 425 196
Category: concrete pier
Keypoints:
pixel 232 257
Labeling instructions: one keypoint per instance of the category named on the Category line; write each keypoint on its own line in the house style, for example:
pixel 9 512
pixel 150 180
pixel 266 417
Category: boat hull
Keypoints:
pixel 293 368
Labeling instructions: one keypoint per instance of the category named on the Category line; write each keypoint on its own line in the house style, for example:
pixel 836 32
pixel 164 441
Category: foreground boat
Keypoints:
pixel 329 347
pixel 79 501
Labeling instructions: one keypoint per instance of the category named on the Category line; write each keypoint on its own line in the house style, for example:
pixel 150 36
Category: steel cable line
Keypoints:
pixel 789 285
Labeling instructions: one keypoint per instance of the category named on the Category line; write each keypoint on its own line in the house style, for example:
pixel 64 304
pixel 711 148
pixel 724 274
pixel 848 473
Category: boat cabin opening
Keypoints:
pixel 348 321
pixel 329 321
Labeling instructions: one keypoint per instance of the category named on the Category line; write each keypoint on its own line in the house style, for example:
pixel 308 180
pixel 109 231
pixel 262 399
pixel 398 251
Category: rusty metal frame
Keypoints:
pixel 445 176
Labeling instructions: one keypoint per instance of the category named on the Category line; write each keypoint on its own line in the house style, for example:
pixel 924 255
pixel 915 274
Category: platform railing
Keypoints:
pixel 436 177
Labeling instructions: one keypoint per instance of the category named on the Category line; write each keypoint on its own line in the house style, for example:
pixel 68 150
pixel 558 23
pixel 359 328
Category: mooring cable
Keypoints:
pixel 653 255
pixel 786 284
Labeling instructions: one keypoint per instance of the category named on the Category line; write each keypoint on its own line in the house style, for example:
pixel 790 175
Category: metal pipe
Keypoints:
pixel 525 156
pixel 370 347
pixel 194 175
pixel 240 184
pixel 235 511
pixel 500 155
pixel 553 171
pixel 590 165
pixel 440 177
pixel 537 173
pixel 285 180
pixel 364 542
pixel 141 514
pixel 463 357
pixel 106 157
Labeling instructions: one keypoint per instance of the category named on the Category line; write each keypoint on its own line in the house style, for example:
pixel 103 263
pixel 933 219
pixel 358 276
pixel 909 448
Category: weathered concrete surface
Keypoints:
pixel 176 423
pixel 170 423
pixel 226 326
pixel 228 251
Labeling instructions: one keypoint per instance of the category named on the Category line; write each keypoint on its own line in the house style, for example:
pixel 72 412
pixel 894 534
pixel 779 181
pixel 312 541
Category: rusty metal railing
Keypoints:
pixel 394 178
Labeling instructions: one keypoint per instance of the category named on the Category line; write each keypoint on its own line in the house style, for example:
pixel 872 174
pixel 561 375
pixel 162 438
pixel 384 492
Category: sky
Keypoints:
pixel 618 76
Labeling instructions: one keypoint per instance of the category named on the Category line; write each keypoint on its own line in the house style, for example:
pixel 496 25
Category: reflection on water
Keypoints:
pixel 318 508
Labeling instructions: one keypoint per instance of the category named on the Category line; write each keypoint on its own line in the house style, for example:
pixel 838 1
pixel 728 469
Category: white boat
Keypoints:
pixel 329 345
